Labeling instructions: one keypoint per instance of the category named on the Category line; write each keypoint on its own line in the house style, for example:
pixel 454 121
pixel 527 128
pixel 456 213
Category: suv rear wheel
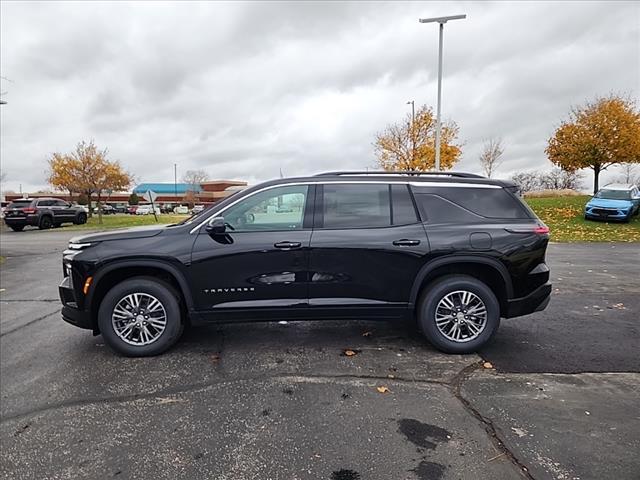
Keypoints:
pixel 458 314
pixel 140 317
pixel 45 222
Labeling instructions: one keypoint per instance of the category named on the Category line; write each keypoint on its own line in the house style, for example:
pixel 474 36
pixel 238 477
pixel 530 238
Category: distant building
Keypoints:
pixel 206 193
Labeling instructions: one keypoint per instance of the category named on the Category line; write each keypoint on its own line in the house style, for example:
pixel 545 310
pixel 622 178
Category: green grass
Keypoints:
pixel 124 221
pixel 565 217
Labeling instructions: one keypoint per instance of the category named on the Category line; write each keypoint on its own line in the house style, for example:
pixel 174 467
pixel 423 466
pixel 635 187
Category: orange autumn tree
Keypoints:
pixel 410 145
pixel 600 134
pixel 88 171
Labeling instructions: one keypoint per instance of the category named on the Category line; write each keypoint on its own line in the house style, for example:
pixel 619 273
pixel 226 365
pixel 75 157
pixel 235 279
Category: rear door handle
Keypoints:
pixel 406 243
pixel 287 245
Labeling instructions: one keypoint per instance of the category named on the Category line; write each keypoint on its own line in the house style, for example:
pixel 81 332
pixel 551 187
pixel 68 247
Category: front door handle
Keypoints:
pixel 406 243
pixel 287 245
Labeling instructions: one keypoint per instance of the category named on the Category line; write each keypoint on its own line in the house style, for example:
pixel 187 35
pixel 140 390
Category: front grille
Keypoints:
pixel 605 211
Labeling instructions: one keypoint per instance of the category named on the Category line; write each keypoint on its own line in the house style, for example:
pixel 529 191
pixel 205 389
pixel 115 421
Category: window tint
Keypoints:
pixel 436 209
pixel 356 206
pixel 488 202
pixel 19 204
pixel 402 210
pixel 45 203
pixel 280 208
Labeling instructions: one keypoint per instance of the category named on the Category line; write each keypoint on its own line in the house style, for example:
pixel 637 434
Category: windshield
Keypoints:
pixel 614 194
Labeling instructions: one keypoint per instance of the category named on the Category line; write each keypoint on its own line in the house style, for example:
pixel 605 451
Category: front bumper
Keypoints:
pixel 534 302
pixel 606 213
pixel 70 311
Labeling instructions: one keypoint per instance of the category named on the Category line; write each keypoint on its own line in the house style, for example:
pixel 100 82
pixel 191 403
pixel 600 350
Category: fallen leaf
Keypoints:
pixel 366 334
pixel 487 365
pixel 214 358
pixel 383 389
pixel 391 376
pixel 350 353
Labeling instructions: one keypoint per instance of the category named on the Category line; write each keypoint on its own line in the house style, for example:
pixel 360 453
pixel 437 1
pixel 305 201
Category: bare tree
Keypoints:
pixel 629 174
pixel 490 156
pixel 194 178
pixel 527 181
pixel 560 179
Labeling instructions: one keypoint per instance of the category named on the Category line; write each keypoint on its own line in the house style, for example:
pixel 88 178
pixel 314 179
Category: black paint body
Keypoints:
pixel 314 272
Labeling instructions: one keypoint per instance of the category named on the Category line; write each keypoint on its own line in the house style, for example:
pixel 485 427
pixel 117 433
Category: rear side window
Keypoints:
pixel 60 203
pixel 45 203
pixel 436 209
pixel 356 206
pixel 403 211
pixel 487 202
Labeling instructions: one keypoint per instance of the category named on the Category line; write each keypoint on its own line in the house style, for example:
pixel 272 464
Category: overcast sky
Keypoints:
pixel 243 90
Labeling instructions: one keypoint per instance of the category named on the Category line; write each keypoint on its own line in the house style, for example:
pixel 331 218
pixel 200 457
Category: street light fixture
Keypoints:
pixel 441 21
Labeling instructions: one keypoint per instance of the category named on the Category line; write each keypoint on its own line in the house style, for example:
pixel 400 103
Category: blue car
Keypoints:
pixel 614 202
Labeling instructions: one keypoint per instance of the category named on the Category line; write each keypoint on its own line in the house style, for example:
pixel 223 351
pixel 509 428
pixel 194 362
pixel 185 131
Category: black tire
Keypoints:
pixel 164 294
pixel 45 222
pixel 440 288
pixel 16 228
pixel 81 219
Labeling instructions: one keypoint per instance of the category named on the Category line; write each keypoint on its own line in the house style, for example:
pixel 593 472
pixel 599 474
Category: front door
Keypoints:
pixel 261 261
pixel 366 250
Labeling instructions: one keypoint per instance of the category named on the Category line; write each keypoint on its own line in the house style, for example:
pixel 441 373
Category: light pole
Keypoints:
pixel 175 182
pixel 441 21
pixel 412 129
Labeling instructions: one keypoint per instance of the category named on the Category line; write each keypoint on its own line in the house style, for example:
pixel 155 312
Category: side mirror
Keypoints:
pixel 216 226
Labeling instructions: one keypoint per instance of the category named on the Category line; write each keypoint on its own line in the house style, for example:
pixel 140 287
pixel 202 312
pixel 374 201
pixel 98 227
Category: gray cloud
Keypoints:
pixel 246 89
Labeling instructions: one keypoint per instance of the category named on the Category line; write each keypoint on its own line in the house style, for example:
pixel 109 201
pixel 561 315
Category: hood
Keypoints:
pixel 607 202
pixel 123 234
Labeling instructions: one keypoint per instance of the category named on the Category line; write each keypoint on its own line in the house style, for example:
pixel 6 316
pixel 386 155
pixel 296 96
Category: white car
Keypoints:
pixel 197 209
pixel 146 210
pixel 181 209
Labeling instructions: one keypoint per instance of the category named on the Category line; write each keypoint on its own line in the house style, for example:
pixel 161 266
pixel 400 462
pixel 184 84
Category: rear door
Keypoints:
pixel 366 249
pixel 63 211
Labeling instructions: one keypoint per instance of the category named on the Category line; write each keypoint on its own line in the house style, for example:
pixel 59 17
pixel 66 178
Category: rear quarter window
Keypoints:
pixel 435 209
pixel 486 202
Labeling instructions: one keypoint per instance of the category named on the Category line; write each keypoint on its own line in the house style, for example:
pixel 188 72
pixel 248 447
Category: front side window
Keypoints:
pixel 280 208
pixel 356 206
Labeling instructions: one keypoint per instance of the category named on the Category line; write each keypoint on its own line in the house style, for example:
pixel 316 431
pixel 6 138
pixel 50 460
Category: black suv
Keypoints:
pixel 42 213
pixel 454 251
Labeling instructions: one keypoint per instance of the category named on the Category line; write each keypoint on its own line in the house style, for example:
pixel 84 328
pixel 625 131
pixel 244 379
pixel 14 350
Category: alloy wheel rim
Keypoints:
pixel 461 316
pixel 139 319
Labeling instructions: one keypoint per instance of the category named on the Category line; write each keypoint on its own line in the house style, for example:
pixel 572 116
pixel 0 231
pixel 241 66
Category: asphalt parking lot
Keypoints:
pixel 282 401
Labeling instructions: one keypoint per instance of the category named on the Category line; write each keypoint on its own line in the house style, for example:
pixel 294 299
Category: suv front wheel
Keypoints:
pixel 140 317
pixel 458 314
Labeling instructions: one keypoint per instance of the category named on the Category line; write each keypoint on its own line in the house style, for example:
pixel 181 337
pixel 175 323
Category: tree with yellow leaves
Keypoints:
pixel 600 134
pixel 88 171
pixel 410 145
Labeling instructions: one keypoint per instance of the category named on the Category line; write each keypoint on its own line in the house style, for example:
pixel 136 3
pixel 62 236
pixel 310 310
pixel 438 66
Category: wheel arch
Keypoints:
pixel 486 269
pixel 111 274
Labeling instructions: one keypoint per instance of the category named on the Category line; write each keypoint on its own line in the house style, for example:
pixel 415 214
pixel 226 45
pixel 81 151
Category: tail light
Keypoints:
pixel 29 210
pixel 538 230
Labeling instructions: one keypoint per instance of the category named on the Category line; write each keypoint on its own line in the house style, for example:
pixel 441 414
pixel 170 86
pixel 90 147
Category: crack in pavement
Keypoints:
pixel 30 322
pixel 490 428
pixel 195 387
pixel 454 386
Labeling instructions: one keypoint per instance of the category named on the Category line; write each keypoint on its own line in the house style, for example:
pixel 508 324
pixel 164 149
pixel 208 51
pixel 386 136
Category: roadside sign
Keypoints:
pixel 150 196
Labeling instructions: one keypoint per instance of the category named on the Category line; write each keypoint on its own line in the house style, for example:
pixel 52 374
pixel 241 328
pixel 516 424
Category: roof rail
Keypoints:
pixel 400 172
